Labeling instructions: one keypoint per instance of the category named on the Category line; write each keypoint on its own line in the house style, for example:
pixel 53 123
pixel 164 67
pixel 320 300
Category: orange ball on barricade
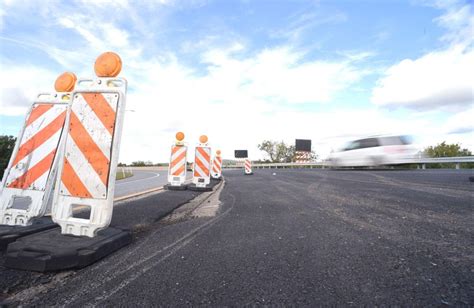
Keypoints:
pixel 180 136
pixel 108 64
pixel 65 82
pixel 203 139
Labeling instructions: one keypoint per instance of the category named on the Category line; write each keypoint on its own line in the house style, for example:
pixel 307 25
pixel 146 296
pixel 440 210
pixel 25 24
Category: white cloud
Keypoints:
pixel 459 20
pixel 236 100
pixel 20 85
pixel 441 78
pixel 460 123
pixel 437 79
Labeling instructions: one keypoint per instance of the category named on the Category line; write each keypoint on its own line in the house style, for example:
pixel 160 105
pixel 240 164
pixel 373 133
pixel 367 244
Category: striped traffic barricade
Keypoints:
pixel 201 166
pixel 217 166
pixel 85 179
pixel 248 167
pixel 28 181
pixel 88 167
pixel 177 166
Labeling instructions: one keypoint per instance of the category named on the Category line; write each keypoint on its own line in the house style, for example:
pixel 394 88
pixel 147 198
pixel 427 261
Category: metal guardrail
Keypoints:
pixel 419 161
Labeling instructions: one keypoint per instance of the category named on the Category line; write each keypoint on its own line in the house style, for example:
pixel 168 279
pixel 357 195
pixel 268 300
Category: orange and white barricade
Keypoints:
pixel 217 166
pixel 29 178
pixel 202 164
pixel 248 167
pixel 87 168
pixel 177 166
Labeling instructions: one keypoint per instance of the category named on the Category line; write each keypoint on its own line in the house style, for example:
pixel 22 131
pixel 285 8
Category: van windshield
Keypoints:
pixel 396 140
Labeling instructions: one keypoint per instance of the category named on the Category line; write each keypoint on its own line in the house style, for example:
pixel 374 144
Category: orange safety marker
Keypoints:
pixel 248 167
pixel 177 166
pixel 217 166
pixel 91 148
pixel 29 178
pixel 202 165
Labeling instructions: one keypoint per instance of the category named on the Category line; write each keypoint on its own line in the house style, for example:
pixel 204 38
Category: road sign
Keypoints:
pixel 303 145
pixel 241 153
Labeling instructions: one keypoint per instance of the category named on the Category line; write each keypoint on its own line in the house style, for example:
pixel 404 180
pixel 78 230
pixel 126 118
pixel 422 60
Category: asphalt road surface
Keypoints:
pixel 142 180
pixel 289 237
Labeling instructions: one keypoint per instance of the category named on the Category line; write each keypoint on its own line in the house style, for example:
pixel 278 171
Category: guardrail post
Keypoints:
pixel 458 165
pixel 423 166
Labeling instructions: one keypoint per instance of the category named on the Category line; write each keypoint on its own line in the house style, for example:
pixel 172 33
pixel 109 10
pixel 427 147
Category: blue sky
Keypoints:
pixel 244 71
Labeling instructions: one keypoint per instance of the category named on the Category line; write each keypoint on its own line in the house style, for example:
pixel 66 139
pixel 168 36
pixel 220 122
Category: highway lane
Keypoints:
pixel 142 180
pixel 296 237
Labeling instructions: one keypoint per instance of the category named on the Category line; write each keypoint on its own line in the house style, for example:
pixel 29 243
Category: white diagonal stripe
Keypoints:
pixel 31 160
pixel 200 172
pixel 93 125
pixel 112 100
pixel 46 118
pixel 202 159
pixel 179 152
pixel 177 166
pixel 40 182
pixel 84 171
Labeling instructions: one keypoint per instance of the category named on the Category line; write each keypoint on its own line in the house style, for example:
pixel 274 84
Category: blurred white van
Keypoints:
pixel 374 151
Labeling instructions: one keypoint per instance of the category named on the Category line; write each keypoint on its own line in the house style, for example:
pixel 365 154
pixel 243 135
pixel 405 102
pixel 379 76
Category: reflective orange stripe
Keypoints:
pixel 175 149
pixel 38 112
pixel 41 137
pixel 102 109
pixel 91 151
pixel 179 171
pixel 201 165
pixel 34 172
pixel 204 154
pixel 73 182
pixel 178 159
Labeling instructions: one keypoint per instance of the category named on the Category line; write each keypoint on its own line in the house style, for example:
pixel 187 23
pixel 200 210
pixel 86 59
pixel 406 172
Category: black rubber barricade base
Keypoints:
pixel 217 179
pixel 175 187
pixel 193 187
pixel 52 251
pixel 248 173
pixel 9 234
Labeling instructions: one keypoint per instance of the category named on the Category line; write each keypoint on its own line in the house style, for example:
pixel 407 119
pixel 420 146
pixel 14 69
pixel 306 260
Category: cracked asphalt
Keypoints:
pixel 285 237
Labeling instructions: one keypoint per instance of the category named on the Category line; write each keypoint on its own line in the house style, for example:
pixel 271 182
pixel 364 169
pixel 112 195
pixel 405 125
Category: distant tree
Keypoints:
pixel 122 165
pixel 138 163
pixel 447 150
pixel 7 143
pixel 279 152
pixel 285 153
pixel 268 147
